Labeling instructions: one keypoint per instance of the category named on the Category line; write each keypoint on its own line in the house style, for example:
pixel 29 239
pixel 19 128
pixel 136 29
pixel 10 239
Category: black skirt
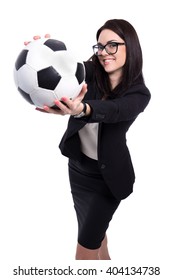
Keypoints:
pixel 93 201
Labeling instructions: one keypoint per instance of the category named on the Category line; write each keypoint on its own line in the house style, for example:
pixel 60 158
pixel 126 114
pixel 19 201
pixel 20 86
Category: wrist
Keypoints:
pixel 84 112
pixel 88 110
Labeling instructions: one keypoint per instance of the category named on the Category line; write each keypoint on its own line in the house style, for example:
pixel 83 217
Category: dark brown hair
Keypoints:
pixel 132 72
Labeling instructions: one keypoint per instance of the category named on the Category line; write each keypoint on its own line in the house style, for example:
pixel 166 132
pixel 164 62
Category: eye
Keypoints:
pixel 112 45
pixel 100 47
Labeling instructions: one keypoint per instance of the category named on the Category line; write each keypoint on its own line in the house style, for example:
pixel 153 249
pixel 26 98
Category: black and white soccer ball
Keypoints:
pixel 45 70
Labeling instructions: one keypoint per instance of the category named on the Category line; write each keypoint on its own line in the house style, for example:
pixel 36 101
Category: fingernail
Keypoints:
pixel 57 102
pixel 46 108
pixel 27 42
pixel 36 37
pixel 47 35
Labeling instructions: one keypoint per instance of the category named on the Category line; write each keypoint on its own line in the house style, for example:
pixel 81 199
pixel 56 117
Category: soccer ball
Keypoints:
pixel 45 70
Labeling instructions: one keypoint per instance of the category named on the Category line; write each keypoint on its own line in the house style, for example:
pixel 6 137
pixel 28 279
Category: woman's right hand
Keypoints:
pixel 66 106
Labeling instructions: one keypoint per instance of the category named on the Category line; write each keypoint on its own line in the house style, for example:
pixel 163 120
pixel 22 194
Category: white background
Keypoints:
pixel 38 223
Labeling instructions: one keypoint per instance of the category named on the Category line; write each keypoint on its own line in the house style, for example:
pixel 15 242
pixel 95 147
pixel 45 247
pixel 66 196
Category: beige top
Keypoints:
pixel 89 139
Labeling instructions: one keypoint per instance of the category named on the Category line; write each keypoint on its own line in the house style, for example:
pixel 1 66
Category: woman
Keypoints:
pixel 100 169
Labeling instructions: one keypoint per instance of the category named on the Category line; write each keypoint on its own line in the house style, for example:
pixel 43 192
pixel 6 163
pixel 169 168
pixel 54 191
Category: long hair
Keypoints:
pixel 132 70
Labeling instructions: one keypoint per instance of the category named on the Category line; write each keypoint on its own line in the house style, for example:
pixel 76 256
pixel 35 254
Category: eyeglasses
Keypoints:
pixel 110 48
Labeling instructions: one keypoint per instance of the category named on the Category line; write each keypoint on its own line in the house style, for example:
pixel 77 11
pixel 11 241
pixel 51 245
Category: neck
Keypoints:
pixel 115 79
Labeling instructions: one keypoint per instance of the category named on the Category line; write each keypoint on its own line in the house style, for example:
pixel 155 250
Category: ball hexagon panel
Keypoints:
pixel 64 63
pixel 67 87
pixel 41 97
pixel 40 58
pixel 26 84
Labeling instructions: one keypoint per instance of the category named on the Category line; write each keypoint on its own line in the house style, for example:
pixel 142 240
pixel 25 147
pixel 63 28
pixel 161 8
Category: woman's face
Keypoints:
pixel 112 63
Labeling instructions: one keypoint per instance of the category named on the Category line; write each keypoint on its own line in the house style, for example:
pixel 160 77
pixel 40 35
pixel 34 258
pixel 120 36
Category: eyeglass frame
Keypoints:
pixel 104 47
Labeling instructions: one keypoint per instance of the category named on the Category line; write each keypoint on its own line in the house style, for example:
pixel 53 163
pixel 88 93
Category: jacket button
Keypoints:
pixel 103 166
pixel 100 116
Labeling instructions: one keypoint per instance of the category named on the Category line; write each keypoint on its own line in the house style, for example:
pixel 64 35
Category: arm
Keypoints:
pixel 124 108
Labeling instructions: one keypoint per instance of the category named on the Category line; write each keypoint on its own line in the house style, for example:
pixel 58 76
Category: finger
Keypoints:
pixel 82 93
pixel 45 109
pixel 48 109
pixel 53 111
pixel 47 35
pixel 40 110
pixel 63 104
pixel 27 42
pixel 84 88
pixel 36 37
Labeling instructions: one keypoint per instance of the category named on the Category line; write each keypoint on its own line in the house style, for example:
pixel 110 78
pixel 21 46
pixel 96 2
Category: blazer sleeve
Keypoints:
pixel 124 108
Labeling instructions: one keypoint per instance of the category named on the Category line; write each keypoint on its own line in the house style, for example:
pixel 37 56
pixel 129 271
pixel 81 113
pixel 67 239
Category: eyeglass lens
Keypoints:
pixel 110 48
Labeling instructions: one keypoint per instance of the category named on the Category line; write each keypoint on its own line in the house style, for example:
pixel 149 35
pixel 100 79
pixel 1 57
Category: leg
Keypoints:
pixel 83 253
pixel 103 250
pixel 102 253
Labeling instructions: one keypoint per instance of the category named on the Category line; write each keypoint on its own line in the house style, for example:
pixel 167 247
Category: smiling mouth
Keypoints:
pixel 107 61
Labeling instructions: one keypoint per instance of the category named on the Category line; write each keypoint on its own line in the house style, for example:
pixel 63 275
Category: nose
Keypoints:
pixel 104 52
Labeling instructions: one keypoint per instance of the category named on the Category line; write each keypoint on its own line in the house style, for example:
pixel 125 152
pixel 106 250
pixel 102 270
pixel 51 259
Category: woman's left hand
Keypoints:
pixel 66 106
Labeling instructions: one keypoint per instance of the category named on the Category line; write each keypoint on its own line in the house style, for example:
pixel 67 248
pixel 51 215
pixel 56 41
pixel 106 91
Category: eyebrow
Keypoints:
pixel 110 41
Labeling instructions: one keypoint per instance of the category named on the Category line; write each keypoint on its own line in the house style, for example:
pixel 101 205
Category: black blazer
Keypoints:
pixel 114 116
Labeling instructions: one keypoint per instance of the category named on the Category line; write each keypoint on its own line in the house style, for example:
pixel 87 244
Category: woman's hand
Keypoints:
pixel 68 106
pixel 36 37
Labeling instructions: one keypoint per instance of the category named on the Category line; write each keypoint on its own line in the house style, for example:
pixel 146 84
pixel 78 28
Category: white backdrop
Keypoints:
pixel 38 223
